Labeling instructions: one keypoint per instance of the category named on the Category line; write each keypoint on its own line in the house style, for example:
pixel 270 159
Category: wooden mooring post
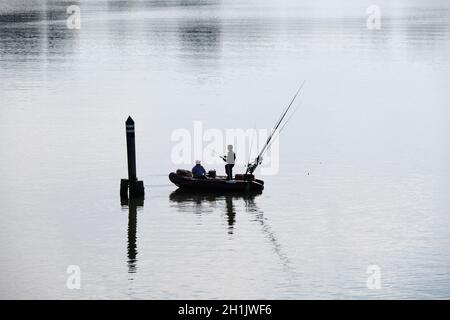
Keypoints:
pixel 131 187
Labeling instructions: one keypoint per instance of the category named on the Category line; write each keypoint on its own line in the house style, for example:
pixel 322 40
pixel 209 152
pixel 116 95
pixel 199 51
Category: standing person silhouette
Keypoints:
pixel 229 159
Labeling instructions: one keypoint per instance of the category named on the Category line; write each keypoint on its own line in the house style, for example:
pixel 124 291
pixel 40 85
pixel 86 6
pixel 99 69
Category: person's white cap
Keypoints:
pixel 198 162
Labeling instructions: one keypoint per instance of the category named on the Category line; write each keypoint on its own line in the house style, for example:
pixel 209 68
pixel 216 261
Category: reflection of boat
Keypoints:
pixel 231 205
pixel 198 202
pixel 184 196
pixel 247 184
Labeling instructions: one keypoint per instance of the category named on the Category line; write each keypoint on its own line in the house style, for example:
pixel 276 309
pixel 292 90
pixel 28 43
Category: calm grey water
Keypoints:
pixel 364 164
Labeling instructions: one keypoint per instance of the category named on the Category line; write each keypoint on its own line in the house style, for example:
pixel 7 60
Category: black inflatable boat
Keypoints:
pixel 242 183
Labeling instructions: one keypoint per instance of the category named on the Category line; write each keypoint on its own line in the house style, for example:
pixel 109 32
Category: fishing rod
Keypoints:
pixel 280 120
pixel 252 167
pixel 251 144
pixel 281 129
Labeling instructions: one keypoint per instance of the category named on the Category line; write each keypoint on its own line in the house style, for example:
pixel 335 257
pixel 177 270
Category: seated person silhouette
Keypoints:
pixel 198 171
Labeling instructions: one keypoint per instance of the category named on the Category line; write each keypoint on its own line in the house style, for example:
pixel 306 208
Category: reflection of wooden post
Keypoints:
pixel 231 213
pixel 133 205
pixel 135 187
